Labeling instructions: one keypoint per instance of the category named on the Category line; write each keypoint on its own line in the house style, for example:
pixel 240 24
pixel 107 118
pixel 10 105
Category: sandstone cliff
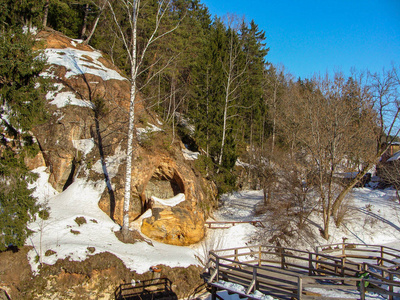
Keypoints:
pixel 85 137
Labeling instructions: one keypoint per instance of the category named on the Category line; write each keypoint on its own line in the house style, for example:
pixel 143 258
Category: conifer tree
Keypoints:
pixel 21 108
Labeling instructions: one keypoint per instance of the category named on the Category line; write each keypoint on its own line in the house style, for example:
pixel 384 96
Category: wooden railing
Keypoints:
pixel 146 289
pixel 378 253
pixel 228 224
pixel 263 267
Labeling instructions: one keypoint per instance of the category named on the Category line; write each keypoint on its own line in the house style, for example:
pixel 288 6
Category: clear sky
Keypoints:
pixel 322 36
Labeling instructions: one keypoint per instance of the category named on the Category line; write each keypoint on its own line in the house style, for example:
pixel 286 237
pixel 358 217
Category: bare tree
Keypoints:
pixel 390 174
pixel 129 38
pixel 331 117
pixel 385 90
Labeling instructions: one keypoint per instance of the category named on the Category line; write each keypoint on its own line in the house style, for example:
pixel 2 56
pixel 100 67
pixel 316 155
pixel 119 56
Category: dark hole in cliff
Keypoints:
pixel 70 179
pixel 164 187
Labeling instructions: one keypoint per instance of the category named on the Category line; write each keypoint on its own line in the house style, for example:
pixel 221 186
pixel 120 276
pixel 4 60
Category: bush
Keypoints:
pixel 80 221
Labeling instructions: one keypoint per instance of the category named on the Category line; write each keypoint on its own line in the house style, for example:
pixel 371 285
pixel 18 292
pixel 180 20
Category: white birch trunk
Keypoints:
pixel 131 126
pixel 136 60
pixel 225 118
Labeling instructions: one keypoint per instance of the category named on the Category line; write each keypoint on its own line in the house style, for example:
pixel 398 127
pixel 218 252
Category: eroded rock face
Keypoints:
pixel 161 176
pixel 174 225
pixel 158 168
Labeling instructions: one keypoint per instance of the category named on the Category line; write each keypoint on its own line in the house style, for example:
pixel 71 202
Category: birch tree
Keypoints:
pixel 234 69
pixel 129 39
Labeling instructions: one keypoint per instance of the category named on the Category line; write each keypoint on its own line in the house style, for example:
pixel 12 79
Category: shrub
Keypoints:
pixel 80 220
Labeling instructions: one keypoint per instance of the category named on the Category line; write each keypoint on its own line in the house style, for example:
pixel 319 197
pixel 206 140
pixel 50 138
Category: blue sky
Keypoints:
pixel 310 37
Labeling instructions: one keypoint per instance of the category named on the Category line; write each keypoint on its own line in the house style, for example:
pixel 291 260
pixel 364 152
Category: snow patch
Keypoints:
pixel 63 235
pixel 190 155
pixel 78 62
pixel 83 145
pixel 171 201
pixel 147 129
pixel 69 98
pixel 111 164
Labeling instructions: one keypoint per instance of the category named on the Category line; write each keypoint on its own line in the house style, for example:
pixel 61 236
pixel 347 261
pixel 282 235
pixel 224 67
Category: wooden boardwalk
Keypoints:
pixel 293 274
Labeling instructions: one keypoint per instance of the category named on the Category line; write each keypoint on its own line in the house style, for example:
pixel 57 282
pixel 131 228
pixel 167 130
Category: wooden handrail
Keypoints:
pixel 286 257
pixel 232 223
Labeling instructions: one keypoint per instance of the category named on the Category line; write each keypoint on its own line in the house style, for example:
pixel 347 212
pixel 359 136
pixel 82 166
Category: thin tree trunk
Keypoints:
pixel 46 13
pixel 84 26
pixel 131 127
pixel 225 121
pixel 274 118
pixel 96 22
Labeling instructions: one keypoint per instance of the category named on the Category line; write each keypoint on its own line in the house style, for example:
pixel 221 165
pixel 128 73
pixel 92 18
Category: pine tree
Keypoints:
pixel 21 108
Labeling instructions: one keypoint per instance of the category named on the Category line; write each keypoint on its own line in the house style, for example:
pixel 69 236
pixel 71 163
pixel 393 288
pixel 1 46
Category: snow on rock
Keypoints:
pixel 171 201
pixel 69 98
pixel 83 145
pixel 62 99
pixel 147 129
pixel 42 189
pixel 112 163
pixel 70 237
pixel 78 62
pixel 190 155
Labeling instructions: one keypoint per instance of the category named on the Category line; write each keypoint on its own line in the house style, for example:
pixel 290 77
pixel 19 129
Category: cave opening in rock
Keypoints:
pixel 163 186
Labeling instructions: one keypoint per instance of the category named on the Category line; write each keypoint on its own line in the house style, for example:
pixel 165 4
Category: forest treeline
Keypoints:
pixel 294 134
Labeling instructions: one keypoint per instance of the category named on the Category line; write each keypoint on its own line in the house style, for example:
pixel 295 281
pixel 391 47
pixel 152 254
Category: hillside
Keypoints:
pixel 75 246
pixel 80 169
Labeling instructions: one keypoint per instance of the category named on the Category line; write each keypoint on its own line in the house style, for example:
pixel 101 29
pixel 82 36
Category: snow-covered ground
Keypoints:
pixel 375 220
pixel 64 234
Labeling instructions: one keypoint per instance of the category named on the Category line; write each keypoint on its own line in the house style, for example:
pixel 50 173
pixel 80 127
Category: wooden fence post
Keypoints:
pixel 362 289
pixel 282 258
pixel 214 293
pixel 217 266
pixel 391 286
pixel 299 287
pixel 342 262
pixel 310 266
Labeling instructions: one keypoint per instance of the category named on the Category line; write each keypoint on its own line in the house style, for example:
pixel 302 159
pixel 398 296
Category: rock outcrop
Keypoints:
pixel 85 136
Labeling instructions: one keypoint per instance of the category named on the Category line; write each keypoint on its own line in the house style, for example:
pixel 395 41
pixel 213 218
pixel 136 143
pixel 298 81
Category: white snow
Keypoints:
pixel 375 220
pixel 171 201
pixel 147 129
pixel 78 62
pixel 62 99
pixel 69 98
pixel 111 164
pixel 62 234
pixel 83 145
pixel 190 155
